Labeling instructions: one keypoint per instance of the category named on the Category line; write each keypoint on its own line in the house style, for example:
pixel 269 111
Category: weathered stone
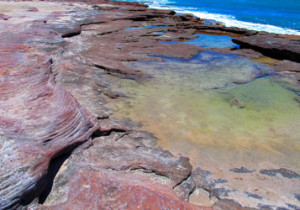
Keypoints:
pixel 241 170
pixel 39 120
pixel 229 205
pixel 286 65
pixel 282 171
pixel 274 46
pixel 55 61
pixel 42 122
pixel 119 171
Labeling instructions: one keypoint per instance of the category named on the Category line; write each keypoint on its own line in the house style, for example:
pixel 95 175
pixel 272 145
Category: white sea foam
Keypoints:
pixel 227 20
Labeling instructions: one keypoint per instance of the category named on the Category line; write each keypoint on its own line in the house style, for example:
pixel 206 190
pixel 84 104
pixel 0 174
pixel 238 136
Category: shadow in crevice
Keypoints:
pixel 43 187
pixel 99 133
pixel 54 167
pixel 41 190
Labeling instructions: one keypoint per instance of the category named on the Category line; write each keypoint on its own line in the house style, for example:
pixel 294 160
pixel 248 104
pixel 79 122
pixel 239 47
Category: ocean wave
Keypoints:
pixel 227 20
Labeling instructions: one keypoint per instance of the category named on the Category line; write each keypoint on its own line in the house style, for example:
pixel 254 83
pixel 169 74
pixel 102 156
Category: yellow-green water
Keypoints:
pixel 212 109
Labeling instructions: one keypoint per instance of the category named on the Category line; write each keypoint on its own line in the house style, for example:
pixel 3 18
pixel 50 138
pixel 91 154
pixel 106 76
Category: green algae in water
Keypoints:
pixel 215 101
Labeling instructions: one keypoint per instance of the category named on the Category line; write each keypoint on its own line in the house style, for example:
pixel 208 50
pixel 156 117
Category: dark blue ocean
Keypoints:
pixel 277 16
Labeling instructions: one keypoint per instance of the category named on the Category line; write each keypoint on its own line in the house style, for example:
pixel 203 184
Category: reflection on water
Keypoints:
pixel 208 41
pixel 218 109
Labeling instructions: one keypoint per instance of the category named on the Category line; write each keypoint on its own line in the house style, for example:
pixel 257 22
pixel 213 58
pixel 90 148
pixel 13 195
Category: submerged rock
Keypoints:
pixel 58 146
pixel 282 171
pixel 238 103
pixel 241 170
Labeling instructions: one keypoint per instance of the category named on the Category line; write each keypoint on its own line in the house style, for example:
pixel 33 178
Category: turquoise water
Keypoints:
pixel 277 16
pixel 208 41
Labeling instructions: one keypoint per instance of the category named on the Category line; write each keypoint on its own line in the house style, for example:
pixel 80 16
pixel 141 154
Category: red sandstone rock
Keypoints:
pixel 52 99
pixel 102 191
pixel 38 119
pixel 286 65
pixel 119 171
pixel 274 46
pixel 40 122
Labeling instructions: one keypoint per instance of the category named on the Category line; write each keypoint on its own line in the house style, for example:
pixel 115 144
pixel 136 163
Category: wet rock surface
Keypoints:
pixel 272 45
pixel 59 147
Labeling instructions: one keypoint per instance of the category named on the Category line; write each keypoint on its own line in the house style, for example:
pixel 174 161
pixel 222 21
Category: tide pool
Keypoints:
pixel 226 106
pixel 208 41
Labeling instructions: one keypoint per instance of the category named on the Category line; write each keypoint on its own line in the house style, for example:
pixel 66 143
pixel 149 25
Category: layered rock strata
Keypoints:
pixel 54 61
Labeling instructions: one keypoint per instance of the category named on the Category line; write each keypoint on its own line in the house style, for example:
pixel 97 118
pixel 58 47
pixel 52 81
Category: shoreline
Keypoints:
pixel 257 42
pixel 251 26
pixel 61 148
pixel 227 20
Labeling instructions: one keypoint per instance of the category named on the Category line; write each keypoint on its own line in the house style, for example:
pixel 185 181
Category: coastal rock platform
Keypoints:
pixel 59 147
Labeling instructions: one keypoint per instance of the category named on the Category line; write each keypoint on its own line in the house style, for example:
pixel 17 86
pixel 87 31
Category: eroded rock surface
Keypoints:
pixel 120 171
pixel 55 58
pixel 272 45
pixel 42 122
pixel 39 119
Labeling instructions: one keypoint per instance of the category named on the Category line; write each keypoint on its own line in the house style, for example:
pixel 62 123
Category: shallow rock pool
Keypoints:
pixel 222 111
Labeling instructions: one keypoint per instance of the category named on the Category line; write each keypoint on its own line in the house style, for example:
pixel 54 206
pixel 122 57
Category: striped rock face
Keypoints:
pixel 60 63
pixel 49 107
pixel 39 120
